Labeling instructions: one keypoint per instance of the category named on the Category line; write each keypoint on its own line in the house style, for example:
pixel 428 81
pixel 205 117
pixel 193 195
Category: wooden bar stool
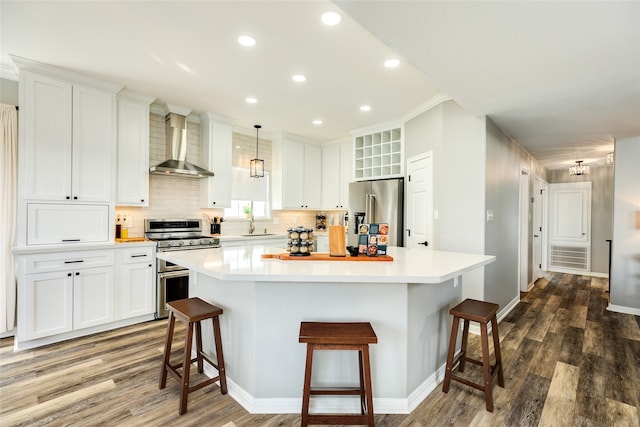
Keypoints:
pixel 190 311
pixel 339 336
pixel 483 313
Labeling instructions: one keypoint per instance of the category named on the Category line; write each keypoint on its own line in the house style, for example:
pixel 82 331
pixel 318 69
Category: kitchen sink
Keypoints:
pixel 258 235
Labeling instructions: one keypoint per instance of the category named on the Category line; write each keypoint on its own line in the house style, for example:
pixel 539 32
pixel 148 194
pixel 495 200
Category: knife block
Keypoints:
pixel 337 242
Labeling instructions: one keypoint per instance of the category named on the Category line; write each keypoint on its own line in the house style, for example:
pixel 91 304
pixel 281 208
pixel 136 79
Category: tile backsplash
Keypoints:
pixel 177 197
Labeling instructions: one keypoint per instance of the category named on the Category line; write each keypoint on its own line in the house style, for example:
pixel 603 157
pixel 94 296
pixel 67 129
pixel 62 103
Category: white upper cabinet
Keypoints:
pixel 133 149
pixel 379 154
pixel 337 172
pixel 47 114
pixel 297 174
pixel 216 134
pixel 69 141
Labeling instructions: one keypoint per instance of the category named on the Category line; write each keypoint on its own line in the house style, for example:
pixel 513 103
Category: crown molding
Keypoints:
pixel 8 72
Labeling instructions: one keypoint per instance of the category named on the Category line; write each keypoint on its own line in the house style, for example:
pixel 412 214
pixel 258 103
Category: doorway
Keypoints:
pixel 539 228
pixel 420 214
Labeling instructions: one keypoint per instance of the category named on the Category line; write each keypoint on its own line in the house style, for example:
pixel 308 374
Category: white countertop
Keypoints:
pixel 245 238
pixel 69 247
pixel 245 263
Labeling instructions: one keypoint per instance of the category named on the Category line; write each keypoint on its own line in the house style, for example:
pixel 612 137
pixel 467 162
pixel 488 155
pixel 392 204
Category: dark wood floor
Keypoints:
pixel 568 362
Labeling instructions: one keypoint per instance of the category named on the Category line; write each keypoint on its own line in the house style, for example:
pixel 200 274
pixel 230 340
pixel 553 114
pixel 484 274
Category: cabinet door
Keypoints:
pixel 346 172
pixel 331 179
pixel 93 297
pixel 45 305
pixel 93 145
pixel 312 178
pixel 136 290
pixel 49 223
pixel 215 191
pixel 293 175
pixel 133 153
pixel 46 158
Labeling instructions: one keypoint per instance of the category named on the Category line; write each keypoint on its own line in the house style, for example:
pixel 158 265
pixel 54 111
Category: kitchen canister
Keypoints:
pixel 300 241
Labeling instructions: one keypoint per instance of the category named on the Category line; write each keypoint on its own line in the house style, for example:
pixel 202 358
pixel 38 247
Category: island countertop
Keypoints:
pixel 246 263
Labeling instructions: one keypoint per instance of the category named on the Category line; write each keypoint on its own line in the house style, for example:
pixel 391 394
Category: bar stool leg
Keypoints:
pixel 367 384
pixel 486 367
pixel 465 338
pixel 199 347
pixel 222 373
pixel 167 350
pixel 496 350
pixel 362 388
pixel 186 368
pixel 452 350
pixel 307 386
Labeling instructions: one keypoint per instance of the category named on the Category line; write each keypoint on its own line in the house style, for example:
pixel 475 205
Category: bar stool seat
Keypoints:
pixel 192 311
pixel 339 336
pixel 483 313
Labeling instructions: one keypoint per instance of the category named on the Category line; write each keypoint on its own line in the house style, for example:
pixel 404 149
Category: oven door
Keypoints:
pixel 173 285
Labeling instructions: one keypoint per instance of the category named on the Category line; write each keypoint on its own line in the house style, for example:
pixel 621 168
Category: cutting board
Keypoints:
pixel 324 256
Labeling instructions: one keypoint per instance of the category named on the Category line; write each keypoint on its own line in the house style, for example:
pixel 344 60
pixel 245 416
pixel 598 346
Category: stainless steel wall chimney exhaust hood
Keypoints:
pixel 176 137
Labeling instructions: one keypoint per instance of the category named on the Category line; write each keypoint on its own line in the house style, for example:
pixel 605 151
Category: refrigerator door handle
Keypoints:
pixel 370 209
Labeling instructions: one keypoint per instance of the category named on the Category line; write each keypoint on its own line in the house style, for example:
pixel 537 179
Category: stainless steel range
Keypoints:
pixel 175 235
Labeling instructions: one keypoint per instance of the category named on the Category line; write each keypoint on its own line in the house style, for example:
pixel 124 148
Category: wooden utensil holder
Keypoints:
pixel 337 242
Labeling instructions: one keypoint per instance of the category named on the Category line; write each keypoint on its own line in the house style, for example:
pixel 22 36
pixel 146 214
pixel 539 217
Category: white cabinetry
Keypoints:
pixel 64 291
pixel 133 149
pixel 297 174
pixel 49 224
pixel 67 145
pixel 92 297
pixel 379 154
pixel 69 141
pixel 337 172
pixel 135 287
pixel 216 134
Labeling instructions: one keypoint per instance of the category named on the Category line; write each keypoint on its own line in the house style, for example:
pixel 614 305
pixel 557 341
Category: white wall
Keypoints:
pixel 457 140
pixel 625 266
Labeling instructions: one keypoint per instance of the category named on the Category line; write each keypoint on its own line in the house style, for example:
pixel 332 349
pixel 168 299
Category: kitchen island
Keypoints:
pixel 407 302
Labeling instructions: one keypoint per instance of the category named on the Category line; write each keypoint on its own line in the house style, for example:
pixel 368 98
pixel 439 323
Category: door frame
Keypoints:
pixel 524 215
pixel 540 193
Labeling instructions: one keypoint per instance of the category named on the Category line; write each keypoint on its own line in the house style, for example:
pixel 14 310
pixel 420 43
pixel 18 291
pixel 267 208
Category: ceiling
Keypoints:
pixel 562 78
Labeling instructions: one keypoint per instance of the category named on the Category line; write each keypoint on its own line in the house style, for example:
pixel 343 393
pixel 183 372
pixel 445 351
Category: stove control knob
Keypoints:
pixel 180 243
pixel 192 242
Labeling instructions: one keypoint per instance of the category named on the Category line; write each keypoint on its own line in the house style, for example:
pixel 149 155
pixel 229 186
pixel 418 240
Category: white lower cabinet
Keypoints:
pixel 92 297
pixel 46 304
pixel 63 295
pixel 135 285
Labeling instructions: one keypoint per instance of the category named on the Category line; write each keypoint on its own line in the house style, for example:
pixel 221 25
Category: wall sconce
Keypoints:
pixel 257 165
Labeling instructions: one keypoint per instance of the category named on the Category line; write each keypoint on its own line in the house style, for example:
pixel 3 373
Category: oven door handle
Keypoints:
pixel 170 274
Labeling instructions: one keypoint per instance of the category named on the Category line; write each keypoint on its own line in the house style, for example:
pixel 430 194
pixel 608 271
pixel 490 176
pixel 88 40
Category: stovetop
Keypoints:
pixel 178 234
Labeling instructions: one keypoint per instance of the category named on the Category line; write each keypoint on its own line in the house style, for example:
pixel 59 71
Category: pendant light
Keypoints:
pixel 579 169
pixel 257 165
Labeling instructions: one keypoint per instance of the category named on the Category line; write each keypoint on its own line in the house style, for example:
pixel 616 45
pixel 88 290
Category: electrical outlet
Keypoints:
pixel 489 215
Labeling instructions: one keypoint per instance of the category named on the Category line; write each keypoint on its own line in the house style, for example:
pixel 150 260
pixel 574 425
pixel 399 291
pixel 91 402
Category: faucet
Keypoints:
pixel 252 226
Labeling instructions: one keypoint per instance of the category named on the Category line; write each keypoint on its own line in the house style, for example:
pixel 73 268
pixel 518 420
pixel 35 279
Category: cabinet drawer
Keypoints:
pixel 134 255
pixel 43 263
pixel 54 224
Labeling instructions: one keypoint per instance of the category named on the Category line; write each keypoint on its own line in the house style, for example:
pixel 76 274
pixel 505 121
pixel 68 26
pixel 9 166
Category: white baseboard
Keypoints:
pixel 293 405
pixel 623 309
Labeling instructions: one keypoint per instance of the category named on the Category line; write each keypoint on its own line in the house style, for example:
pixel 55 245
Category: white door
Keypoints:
pixel 46 304
pixel 525 217
pixel 570 227
pixel 420 201
pixel 539 193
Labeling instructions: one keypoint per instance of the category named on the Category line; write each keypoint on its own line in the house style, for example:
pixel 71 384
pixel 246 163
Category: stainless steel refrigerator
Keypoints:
pixel 374 202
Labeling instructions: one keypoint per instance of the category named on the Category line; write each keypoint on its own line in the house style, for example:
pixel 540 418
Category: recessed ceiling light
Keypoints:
pixel 331 18
pixel 251 100
pixel 391 63
pixel 365 108
pixel 317 122
pixel 299 78
pixel 247 41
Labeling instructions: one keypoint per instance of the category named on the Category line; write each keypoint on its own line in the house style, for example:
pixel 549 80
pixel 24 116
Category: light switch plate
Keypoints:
pixel 489 215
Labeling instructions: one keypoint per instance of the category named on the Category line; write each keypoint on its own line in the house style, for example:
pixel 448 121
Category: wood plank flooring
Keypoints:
pixel 567 362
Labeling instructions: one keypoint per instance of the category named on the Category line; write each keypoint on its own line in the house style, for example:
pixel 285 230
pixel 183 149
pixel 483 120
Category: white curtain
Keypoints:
pixel 8 189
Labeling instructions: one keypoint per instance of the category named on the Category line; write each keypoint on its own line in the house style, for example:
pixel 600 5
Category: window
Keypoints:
pixel 244 190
